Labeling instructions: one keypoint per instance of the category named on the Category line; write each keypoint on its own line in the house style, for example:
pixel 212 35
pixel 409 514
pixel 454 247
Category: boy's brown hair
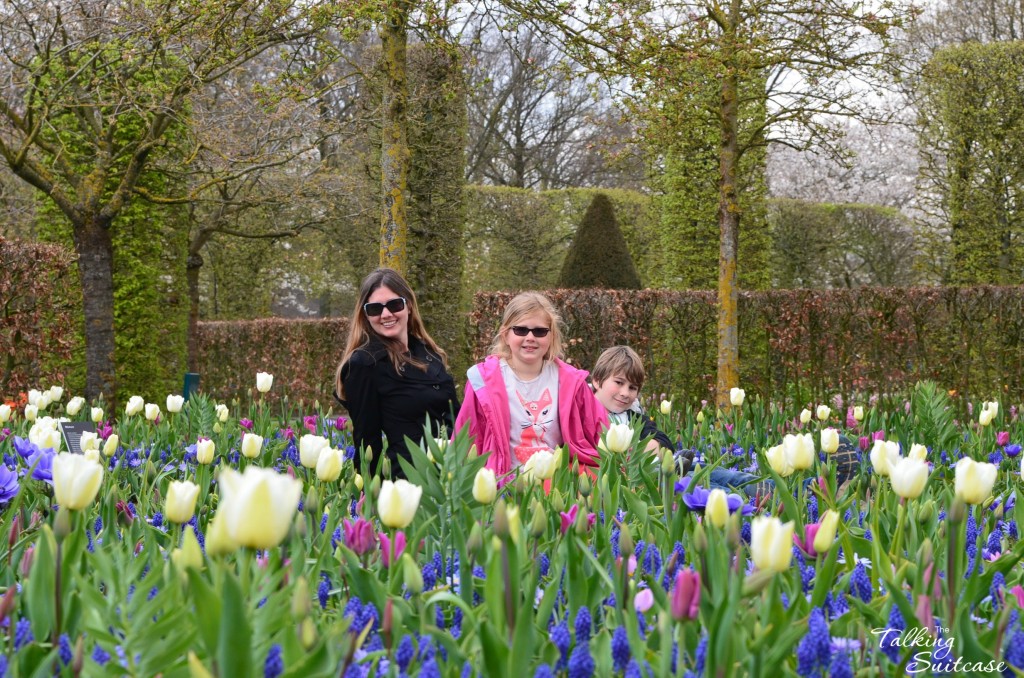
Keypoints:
pixel 619 360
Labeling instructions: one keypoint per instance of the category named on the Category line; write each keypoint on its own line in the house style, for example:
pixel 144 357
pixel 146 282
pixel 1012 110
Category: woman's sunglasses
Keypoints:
pixel 539 332
pixel 375 308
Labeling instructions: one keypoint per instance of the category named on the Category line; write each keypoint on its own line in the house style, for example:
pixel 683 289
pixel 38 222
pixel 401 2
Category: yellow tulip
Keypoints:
pixel 264 381
pixel 328 466
pixel 974 480
pixel 258 506
pixel 908 477
pixel 666 407
pixel 204 451
pixel 252 445
pixel 310 447
pixel 397 503
pixel 858 413
pixel 110 446
pixel 779 462
pixel 180 505
pixel 918 451
pixel 827 527
pixel 541 466
pixel 884 455
pixel 805 415
pixel 771 543
pixel 829 440
pixel 618 437
pixel 485 486
pixel 76 480
pixel 717 508
pixel 737 396
pixel 96 414
pixel 799 450
pixel 823 412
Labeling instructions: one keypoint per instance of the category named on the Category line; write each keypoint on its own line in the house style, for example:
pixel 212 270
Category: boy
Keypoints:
pixel 617 378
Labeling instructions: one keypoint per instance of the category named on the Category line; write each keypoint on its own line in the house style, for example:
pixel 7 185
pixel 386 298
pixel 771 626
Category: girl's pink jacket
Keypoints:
pixel 485 411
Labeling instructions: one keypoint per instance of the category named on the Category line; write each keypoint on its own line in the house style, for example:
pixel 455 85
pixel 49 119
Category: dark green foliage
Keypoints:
pixel 971 125
pixel 598 256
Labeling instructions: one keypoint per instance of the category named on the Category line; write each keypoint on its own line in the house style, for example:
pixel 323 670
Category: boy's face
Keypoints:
pixel 616 393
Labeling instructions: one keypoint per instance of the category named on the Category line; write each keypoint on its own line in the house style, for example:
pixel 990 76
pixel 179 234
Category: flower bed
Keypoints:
pixel 193 539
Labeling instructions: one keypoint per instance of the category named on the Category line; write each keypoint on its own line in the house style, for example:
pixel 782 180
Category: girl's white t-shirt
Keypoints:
pixel 533 412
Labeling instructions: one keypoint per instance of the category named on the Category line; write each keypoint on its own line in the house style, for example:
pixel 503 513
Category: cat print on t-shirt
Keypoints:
pixel 538 420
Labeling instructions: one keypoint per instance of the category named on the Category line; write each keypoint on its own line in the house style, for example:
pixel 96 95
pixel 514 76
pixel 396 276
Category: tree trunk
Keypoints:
pixel 192 268
pixel 95 249
pixel 728 227
pixel 394 161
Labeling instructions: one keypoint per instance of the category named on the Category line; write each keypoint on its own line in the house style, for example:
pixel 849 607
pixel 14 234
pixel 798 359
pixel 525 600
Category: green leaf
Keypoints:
pixel 234 653
pixel 40 588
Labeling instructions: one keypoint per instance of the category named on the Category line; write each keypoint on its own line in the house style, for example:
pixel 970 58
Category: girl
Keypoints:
pixel 392 377
pixel 524 398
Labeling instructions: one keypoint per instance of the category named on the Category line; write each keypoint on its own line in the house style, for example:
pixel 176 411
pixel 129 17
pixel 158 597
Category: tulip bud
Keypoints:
pixel 311 504
pixel 411 574
pixel 62 524
pixel 189 555
pixel 196 668
pixel 476 539
pixel 717 509
pixel 685 601
pixel 358 482
pixel 307 634
pixel 539 522
pixel 957 511
pixel 926 553
pixel 668 463
pixel 700 417
pixel 110 446
pixel 301 600
pixel 585 485
pixel 500 523
pixel 222 413
pixel 700 540
pixel 582 523
pixel 666 407
pixel 626 544
pixel 375 488
pixel 926 511
pixel 385 467
pixel 557 500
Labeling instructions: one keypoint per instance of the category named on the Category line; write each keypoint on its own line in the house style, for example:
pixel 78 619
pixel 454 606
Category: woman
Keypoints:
pixel 523 398
pixel 392 377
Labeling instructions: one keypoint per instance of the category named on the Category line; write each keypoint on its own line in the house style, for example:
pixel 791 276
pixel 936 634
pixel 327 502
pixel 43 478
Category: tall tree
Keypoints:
pixel 91 92
pixel 972 148
pixel 814 57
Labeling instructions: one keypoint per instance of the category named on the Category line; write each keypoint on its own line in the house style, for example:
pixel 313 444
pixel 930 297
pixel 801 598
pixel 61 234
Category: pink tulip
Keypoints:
pixel 807 543
pixel 878 435
pixel 644 600
pixel 685 602
pixel 1003 438
pixel 359 535
pixel 387 555
pixel 569 517
pixel 865 443
pixel 1018 593
pixel 923 612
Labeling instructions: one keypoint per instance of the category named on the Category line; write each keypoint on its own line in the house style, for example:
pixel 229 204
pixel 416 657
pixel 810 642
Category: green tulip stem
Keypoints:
pixel 901 519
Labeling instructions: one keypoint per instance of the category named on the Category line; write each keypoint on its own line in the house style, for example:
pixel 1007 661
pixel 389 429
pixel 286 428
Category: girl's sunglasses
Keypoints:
pixel 375 308
pixel 539 332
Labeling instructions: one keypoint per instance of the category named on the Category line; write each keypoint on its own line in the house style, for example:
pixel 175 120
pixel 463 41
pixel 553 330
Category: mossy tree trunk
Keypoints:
pixel 394 165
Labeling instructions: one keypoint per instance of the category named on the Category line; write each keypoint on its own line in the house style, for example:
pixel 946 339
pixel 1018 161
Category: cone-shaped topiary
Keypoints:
pixel 598 256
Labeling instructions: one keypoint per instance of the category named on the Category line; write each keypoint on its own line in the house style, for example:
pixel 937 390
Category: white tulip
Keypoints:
pixel 736 396
pixel 252 445
pixel 175 403
pixel 96 414
pixel 134 405
pixel 264 381
pixel 618 437
pixel 152 411
pixel 310 447
pixel 74 406
pixel 823 412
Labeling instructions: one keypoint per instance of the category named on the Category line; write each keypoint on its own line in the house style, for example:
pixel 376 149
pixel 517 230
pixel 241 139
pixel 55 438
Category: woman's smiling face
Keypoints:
pixel 394 325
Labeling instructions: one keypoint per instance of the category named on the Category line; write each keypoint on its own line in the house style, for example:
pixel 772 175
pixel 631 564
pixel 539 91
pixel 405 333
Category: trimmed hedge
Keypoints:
pixel 806 345
pixel 301 354
pixel 40 304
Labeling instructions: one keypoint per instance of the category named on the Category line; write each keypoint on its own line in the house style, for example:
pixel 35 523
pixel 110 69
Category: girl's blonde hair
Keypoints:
pixel 361 332
pixel 522 305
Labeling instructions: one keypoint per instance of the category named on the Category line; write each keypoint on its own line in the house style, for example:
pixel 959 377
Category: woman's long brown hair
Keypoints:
pixel 361 332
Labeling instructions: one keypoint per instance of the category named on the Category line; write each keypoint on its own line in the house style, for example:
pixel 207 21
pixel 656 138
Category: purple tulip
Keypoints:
pixel 359 535
pixel 9 485
pixel 387 555
pixel 1003 438
pixel 686 595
